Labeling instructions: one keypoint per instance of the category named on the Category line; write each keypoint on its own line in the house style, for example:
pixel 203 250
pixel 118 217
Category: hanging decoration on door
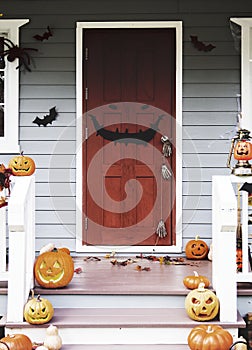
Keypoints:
pixel 140 137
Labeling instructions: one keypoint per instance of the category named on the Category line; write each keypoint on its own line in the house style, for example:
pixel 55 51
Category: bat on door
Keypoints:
pixel 48 119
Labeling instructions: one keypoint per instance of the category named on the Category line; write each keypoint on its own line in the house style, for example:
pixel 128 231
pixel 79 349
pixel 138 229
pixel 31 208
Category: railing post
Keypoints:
pixel 21 221
pixel 224 223
pixel 3 235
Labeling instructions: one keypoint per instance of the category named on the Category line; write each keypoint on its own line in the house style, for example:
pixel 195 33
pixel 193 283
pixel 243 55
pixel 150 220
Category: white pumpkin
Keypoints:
pixel 52 340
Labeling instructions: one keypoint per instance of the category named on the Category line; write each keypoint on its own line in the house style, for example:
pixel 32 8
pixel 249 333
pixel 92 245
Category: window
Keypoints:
pixel 9 89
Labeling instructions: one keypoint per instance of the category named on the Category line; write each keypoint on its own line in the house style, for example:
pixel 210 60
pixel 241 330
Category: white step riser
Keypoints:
pixel 144 301
pixel 113 335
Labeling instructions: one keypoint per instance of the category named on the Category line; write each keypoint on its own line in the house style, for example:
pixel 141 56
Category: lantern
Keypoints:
pixel 201 304
pixel 242 148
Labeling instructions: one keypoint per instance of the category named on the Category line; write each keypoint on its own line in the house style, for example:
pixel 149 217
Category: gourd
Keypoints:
pixel 206 337
pixel 42 347
pixel 38 310
pixel 201 304
pixel 15 342
pixel 52 340
pixel 54 269
pixel 22 165
pixel 196 249
pixel 192 282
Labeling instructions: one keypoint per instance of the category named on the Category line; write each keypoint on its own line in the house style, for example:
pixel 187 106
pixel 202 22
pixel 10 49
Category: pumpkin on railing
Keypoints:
pixel 22 165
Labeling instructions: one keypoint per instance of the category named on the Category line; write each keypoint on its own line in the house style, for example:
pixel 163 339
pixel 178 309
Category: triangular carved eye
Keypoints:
pixel 43 265
pixel 195 301
pixel 56 265
pixel 209 301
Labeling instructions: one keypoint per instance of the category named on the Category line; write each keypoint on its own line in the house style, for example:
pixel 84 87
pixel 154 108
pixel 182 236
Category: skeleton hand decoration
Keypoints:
pixel 167 146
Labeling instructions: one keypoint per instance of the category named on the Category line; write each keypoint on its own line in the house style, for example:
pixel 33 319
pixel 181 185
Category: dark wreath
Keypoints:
pixel 14 52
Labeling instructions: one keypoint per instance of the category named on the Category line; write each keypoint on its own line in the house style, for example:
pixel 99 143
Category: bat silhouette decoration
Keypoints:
pixel 45 36
pixel 48 119
pixel 141 137
pixel 200 45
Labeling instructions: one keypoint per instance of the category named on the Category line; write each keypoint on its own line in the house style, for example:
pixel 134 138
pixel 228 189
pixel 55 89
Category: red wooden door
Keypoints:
pixel 129 85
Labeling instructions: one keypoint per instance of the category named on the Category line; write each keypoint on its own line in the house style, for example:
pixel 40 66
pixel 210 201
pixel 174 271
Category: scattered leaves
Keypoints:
pixel 140 268
pixel 92 258
pixel 78 270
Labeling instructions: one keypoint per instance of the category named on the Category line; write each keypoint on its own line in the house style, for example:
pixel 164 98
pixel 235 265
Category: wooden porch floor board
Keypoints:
pixel 125 347
pixel 102 277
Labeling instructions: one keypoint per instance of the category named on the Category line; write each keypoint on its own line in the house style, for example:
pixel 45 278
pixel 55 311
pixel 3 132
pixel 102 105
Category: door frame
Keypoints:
pixel 80 133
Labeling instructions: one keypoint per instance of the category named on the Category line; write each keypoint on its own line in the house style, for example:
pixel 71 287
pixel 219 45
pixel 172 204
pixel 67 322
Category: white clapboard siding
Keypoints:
pixel 211 81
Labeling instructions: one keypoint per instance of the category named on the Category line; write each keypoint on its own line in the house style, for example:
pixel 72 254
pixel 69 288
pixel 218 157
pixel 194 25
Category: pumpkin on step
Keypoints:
pixel 22 165
pixel 52 340
pixel 201 304
pixel 192 282
pixel 196 249
pixel 38 310
pixel 54 269
pixel 206 337
pixel 16 342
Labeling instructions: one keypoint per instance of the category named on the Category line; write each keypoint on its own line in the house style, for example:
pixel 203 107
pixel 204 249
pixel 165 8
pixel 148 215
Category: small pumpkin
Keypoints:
pixel 205 337
pixel 38 310
pixel 192 282
pixel 15 342
pixel 201 304
pixel 22 165
pixel 54 269
pixel 196 249
pixel 243 150
pixel 52 340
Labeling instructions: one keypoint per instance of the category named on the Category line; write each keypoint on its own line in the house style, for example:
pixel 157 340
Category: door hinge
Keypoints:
pixel 86 53
pixel 86 93
pixel 86 223
pixel 86 133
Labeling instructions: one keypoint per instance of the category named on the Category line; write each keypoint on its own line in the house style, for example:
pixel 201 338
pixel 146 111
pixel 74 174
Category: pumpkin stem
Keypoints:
pixel 21 153
pixel 39 298
pixel 197 237
pixel 32 293
pixel 209 329
pixel 201 287
pixel 196 274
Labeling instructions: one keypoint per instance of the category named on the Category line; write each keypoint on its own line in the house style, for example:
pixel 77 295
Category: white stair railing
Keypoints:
pixel 224 227
pixel 3 241
pixel 21 223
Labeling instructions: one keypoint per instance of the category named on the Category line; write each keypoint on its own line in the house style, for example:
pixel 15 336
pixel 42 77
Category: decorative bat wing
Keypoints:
pixel 48 119
pixel 200 45
pixel 44 36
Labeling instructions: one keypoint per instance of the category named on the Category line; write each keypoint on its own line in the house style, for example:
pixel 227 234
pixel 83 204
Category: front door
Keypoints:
pixel 129 119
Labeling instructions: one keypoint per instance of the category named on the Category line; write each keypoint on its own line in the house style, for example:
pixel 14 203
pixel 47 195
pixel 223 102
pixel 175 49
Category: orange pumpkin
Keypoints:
pixel 54 269
pixel 22 165
pixel 196 249
pixel 205 337
pixel 192 282
pixel 243 150
pixel 15 342
pixel 201 304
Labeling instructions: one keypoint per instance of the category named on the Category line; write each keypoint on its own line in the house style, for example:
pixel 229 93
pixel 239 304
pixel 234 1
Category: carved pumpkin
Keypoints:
pixel 243 150
pixel 205 337
pixel 201 304
pixel 22 165
pixel 38 310
pixel 15 342
pixel 54 269
pixel 192 282
pixel 196 249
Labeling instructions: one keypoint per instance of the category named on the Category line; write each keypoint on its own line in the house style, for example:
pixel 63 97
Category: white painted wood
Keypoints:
pixel 224 223
pixel 79 136
pixel 21 223
pixel 3 236
pixel 9 142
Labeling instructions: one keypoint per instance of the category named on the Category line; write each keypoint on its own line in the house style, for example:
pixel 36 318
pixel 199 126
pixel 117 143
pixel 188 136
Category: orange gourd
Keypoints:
pixel 15 342
pixel 193 281
pixel 206 337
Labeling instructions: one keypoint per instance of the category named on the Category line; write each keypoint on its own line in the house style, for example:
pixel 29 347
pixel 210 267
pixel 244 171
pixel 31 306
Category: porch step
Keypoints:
pixel 125 347
pixel 100 326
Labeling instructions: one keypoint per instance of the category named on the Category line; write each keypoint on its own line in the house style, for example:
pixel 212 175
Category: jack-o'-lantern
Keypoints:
pixel 15 342
pixel 202 304
pixel 196 249
pixel 204 337
pixel 22 165
pixel 243 150
pixel 54 269
pixel 38 310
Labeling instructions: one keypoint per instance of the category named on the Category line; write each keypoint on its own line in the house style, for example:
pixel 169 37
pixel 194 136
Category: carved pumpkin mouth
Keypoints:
pixel 50 278
pixel 25 170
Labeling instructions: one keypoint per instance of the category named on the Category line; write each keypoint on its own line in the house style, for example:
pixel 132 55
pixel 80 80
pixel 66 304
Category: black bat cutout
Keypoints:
pixel 246 187
pixel 200 45
pixel 45 36
pixel 48 119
